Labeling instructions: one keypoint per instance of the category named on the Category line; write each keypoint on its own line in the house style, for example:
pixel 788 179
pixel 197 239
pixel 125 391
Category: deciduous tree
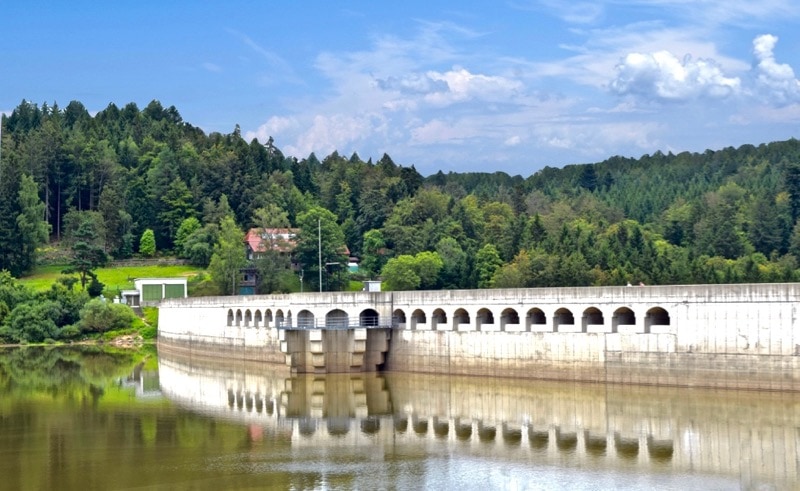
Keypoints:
pixel 320 241
pixel 229 257
pixel 147 244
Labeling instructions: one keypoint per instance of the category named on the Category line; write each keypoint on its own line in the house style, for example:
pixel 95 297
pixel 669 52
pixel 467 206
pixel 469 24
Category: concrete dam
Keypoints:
pixel 733 336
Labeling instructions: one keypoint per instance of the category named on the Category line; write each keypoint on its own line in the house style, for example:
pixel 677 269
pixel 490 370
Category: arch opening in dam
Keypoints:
pixel 455 317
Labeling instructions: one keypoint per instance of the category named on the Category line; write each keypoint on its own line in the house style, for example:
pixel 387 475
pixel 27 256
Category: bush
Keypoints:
pixel 148 332
pixel 34 323
pixel 6 336
pixel 69 332
pixel 95 288
pixel 101 316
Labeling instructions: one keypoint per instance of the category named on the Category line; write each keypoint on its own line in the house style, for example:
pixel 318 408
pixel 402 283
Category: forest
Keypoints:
pixel 141 182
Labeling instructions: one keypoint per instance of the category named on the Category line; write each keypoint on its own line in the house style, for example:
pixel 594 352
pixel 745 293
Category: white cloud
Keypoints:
pixel 274 127
pixel 463 85
pixel 598 139
pixel 329 133
pixel 775 81
pixel 212 67
pixel 661 75
pixel 415 83
pixel 438 131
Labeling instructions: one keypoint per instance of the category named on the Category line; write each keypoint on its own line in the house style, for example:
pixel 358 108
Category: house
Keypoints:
pixel 259 240
pixel 150 291
pixel 283 240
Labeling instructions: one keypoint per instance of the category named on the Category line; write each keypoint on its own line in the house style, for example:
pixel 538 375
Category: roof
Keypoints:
pixel 160 281
pixel 281 239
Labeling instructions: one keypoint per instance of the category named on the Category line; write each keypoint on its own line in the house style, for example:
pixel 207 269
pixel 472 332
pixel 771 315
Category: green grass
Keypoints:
pixel 113 278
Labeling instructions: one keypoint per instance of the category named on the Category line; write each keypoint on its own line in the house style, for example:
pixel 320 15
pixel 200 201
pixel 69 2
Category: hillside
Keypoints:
pixel 719 216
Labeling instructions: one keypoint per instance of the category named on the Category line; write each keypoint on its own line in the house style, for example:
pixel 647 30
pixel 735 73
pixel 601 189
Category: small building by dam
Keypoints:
pixel 732 336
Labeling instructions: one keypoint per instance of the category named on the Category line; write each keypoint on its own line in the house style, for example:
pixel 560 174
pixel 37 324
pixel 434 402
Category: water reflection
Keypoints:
pixel 752 438
pixel 93 419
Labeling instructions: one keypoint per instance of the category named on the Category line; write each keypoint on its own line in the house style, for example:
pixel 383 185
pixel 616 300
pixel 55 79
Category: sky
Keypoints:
pixel 456 86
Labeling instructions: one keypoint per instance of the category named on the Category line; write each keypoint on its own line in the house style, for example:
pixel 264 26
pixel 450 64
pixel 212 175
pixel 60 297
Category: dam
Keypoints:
pixel 728 336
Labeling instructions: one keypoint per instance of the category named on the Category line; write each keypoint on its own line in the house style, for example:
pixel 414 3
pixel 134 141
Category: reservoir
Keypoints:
pixel 88 418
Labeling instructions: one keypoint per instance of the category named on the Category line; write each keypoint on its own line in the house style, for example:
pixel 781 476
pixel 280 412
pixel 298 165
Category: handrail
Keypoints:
pixel 333 326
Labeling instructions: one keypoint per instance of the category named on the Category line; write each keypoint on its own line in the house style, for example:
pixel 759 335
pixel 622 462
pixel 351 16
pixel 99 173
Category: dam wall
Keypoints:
pixel 733 336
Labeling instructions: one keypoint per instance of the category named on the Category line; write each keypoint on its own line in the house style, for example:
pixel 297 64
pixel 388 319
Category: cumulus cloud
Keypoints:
pixel 661 75
pixel 329 133
pixel 463 85
pixel 599 139
pixel 412 84
pixel 775 81
pixel 274 126
pixel 453 86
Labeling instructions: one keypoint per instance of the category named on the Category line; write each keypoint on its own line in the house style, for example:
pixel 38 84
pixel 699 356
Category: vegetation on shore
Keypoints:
pixel 45 308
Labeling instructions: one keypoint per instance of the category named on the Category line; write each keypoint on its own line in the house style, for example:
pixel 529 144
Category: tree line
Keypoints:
pixel 147 181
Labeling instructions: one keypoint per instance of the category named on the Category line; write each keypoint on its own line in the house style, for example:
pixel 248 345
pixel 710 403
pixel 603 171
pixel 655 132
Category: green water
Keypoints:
pixel 84 418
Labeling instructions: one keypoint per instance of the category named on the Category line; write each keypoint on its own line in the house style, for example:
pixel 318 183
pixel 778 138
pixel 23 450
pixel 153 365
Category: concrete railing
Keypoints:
pixel 316 325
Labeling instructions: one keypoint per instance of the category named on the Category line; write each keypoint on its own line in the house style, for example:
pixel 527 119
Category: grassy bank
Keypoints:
pixel 114 278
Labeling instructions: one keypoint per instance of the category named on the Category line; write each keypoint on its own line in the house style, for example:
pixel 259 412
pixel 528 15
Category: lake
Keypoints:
pixel 90 418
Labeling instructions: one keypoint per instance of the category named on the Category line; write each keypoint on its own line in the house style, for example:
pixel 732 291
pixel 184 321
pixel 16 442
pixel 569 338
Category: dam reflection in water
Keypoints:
pixel 608 436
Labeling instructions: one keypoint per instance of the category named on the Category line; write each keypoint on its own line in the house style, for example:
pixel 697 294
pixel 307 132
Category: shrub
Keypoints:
pixel 34 323
pixel 95 288
pixel 69 332
pixel 100 316
pixel 148 332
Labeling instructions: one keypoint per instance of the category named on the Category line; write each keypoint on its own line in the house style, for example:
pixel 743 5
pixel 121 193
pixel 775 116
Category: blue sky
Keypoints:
pixel 458 86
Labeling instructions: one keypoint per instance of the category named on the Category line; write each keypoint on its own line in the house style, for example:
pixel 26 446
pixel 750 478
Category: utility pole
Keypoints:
pixel 319 245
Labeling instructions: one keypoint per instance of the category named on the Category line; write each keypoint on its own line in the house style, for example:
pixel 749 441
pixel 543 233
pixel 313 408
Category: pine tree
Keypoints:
pixel 87 253
pixel 32 229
